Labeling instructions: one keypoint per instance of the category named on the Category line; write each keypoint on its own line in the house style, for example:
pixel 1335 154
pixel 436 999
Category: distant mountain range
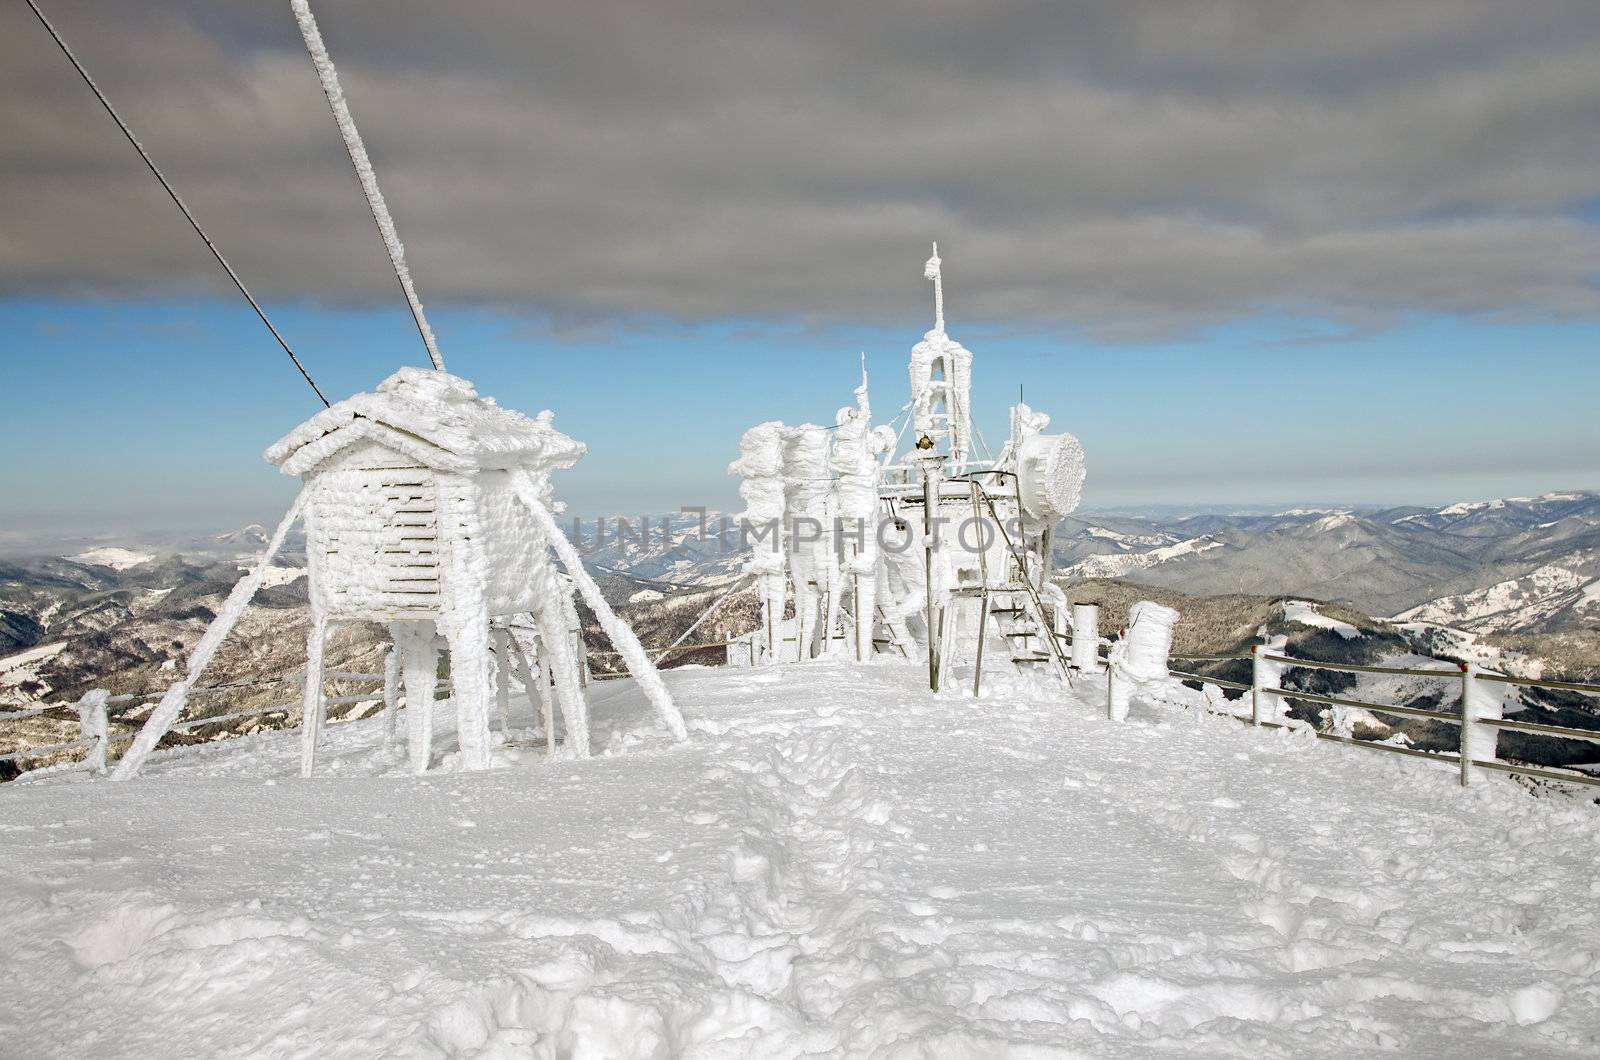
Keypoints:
pixel 1531 557
pixel 1522 574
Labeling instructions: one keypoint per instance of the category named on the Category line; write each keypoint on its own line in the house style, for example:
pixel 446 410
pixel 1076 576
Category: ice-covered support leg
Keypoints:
pixel 172 703
pixel 621 634
pixel 92 726
pixel 312 703
pixel 419 667
pixel 773 593
pixel 830 622
pixel 557 650
pixel 805 618
pixel 391 696
pixel 547 707
pixel 467 631
pixel 502 678
pixel 535 682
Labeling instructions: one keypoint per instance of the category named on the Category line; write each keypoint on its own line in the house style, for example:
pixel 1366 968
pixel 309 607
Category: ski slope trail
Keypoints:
pixel 837 863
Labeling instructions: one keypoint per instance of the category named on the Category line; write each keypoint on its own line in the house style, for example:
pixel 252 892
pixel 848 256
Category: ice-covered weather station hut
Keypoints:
pixel 429 509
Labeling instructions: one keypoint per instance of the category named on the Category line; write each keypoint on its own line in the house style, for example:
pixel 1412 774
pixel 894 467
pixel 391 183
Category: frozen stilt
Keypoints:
pixel 312 702
pixel 419 666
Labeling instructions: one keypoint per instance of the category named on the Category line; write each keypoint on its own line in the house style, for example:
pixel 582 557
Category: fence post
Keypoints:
pixel 92 726
pixel 1479 742
pixel 1111 692
pixel 1255 684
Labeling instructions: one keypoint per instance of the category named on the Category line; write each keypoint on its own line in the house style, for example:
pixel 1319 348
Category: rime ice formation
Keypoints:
pixel 363 165
pixel 761 466
pixel 808 501
pixel 857 447
pixel 956 554
pixel 428 508
pixel 1141 656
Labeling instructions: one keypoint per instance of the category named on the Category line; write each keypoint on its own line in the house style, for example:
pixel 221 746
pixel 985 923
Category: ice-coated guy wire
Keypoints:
pixel 137 146
pixel 358 158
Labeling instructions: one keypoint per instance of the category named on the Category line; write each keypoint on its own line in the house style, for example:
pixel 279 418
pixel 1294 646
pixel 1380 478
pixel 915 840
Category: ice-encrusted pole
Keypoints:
pixel 92 726
pixel 931 271
pixel 358 158
pixel 621 634
pixel 172 703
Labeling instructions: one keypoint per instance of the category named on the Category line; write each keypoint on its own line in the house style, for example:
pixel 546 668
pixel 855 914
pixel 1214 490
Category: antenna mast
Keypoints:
pixel 931 271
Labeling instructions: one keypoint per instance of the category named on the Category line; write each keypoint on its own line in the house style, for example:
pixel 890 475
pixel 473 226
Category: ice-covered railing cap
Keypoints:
pixel 437 419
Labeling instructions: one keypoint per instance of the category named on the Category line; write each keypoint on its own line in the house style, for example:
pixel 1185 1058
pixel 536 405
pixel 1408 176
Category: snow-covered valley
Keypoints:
pixel 837 862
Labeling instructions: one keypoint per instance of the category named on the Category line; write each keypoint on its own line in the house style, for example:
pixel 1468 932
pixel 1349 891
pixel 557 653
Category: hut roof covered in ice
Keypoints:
pixel 437 419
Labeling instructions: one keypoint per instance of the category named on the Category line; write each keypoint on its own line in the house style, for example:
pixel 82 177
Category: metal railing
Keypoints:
pixel 1470 713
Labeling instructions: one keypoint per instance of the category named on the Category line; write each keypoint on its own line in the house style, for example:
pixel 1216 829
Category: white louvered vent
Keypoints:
pixel 379 533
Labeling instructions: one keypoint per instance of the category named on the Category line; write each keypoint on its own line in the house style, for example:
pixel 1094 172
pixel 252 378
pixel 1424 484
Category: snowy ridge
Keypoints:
pixel 1516 603
pixel 838 863
pixel 118 559
pixel 1117 566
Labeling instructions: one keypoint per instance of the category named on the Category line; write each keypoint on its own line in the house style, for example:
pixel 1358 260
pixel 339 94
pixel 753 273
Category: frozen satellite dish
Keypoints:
pixel 1050 475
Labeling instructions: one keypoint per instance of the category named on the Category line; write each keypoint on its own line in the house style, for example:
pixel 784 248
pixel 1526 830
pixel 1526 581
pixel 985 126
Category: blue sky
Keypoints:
pixel 152 414
pixel 1308 258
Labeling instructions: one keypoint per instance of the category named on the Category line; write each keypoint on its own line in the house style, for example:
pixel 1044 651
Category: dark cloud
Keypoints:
pixel 1130 167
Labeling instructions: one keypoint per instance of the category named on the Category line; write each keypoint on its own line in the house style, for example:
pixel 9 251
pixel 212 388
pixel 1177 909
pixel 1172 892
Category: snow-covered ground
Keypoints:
pixel 836 863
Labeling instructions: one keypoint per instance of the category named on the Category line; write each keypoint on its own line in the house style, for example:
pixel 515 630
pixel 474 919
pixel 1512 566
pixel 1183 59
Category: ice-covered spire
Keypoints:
pixel 863 402
pixel 931 271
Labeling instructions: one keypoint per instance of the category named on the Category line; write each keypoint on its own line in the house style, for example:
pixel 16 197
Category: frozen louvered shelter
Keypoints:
pixel 429 509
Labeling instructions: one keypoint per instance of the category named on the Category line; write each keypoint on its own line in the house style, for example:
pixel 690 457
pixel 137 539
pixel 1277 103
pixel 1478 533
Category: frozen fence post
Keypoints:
pixel 1265 677
pixel 1479 742
pixel 1255 684
pixel 92 726
pixel 1111 693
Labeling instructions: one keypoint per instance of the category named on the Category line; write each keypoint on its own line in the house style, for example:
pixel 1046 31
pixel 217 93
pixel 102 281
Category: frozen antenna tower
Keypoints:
pixel 363 165
pixel 984 591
